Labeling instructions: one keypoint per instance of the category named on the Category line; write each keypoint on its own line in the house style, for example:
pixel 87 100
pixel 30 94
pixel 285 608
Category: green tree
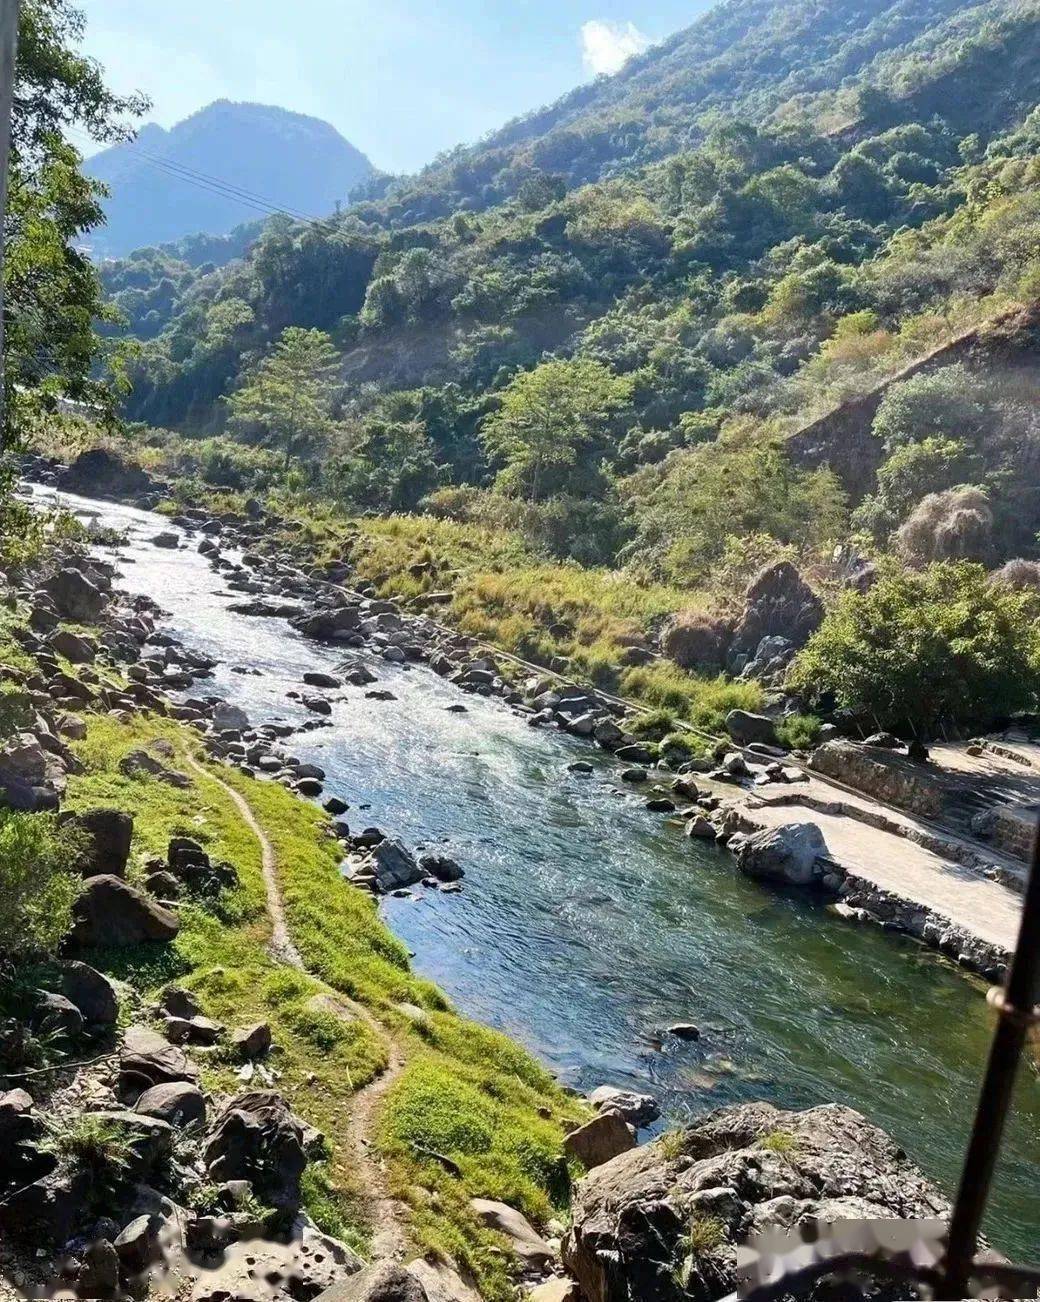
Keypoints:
pixel 921 648
pixel 950 403
pixel 53 295
pixel 38 886
pixel 287 401
pixel 548 419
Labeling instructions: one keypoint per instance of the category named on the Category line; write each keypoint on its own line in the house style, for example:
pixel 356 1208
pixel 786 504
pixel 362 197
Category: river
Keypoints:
pixel 586 925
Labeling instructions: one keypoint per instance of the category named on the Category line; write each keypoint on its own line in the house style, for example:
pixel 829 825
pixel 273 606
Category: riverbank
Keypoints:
pixel 870 859
pixel 348 1016
pixel 548 941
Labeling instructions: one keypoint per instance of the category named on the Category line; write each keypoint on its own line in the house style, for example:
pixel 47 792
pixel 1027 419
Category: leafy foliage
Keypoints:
pixel 38 884
pixel 921 648
pixel 287 401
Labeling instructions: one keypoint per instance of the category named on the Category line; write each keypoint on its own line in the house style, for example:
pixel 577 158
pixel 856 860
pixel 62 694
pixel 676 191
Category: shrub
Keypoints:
pixel 924 647
pixel 695 640
pixel 954 525
pixel 1018 573
pixel 38 886
pixel 99 1147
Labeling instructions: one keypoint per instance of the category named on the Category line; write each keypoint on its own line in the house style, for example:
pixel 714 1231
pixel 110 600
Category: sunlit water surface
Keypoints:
pixel 587 925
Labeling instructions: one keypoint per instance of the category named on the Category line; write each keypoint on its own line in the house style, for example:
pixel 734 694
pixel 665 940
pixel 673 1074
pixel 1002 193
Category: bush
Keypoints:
pixel 943 645
pixel 1018 573
pixel 955 525
pixel 38 885
pixel 695 640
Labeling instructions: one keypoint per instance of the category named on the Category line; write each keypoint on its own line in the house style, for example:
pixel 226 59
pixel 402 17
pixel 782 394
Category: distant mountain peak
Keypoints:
pixel 227 163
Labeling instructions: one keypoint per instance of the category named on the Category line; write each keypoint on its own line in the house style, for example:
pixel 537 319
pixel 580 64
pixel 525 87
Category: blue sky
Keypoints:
pixel 401 79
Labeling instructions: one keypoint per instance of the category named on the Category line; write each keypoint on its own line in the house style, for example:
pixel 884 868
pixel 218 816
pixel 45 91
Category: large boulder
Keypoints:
pixel 734 1173
pixel 600 1139
pixel 385 1282
pixel 257 1138
pixel 230 718
pixel 112 912
pixel 788 854
pixel 101 473
pixel 745 728
pixel 394 866
pixel 104 840
pixel 75 596
pixel 147 1059
pixel 91 992
pixel 778 603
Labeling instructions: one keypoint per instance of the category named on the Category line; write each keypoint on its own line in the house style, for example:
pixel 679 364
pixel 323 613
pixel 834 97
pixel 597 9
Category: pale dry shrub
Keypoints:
pixel 695 640
pixel 956 524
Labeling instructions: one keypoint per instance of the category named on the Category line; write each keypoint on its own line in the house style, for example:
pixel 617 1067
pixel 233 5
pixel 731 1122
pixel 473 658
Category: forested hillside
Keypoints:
pixel 221 167
pixel 618 326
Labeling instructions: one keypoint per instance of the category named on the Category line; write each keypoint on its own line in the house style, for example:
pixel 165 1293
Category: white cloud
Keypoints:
pixel 607 47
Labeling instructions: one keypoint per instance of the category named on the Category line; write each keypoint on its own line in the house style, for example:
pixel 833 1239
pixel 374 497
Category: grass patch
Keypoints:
pixel 472 1114
pixel 781 1142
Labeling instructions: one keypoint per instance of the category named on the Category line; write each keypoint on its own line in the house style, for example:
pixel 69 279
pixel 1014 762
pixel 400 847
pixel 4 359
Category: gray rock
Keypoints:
pixel 600 1139
pixel 787 854
pixel 230 718
pixel 167 539
pixel 75 596
pixel 631 1216
pixel 317 678
pixel 105 836
pixel 137 1244
pixel 98 1276
pixel 258 1139
pixel 745 727
pixel 251 1041
pixel 527 1244
pixel 394 866
pixel 55 1014
pixel 179 1103
pixel 147 1059
pixel 78 650
pixel 386 1282
pixel 112 912
pixel 441 867
pixel 637 1109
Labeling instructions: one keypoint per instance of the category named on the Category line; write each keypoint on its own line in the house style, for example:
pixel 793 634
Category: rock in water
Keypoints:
pixel 638 1109
pixel 394 866
pixel 783 854
pixel 742 1169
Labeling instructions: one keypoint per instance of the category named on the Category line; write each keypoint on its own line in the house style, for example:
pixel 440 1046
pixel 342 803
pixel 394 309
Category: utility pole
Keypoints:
pixel 8 54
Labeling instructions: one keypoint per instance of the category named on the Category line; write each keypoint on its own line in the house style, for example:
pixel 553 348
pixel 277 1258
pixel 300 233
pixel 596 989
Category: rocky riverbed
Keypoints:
pixel 723 1064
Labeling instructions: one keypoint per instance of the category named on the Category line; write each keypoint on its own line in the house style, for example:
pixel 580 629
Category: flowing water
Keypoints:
pixel 587 925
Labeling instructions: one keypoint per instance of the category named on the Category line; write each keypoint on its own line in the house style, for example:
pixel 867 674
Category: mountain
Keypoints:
pixel 731 252
pixel 225 165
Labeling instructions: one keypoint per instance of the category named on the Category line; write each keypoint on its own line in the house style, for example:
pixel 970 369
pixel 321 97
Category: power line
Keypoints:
pixel 204 181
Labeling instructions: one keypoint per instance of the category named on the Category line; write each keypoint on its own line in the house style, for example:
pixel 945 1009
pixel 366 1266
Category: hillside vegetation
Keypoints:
pixel 620 327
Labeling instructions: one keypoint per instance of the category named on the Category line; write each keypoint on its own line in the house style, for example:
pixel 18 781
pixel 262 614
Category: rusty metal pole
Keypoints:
pixel 1016 1006
pixel 8 54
